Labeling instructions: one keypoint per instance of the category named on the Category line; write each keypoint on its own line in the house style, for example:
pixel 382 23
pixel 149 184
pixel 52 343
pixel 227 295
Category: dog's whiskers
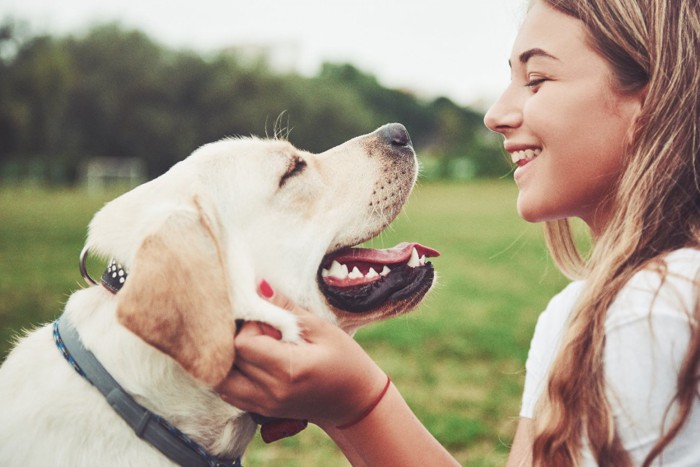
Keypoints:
pixel 280 129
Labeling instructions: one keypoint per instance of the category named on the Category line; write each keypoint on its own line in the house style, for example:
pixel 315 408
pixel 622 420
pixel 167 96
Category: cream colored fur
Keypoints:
pixel 195 242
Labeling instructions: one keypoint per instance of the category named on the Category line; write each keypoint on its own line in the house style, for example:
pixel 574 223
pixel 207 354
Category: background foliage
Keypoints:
pixel 115 92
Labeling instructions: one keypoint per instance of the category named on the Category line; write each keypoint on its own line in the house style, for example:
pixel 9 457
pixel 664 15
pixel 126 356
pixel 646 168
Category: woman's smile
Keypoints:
pixel 520 158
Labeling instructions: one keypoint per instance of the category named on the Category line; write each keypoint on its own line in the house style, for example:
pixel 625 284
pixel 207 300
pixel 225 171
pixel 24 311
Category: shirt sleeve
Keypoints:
pixel 545 344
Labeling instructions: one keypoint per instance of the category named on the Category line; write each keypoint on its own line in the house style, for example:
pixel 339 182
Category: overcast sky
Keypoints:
pixel 453 48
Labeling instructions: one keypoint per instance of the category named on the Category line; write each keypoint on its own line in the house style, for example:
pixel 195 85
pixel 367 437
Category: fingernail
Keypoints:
pixel 265 289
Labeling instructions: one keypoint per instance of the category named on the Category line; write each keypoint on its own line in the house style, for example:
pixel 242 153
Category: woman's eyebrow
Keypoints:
pixel 535 52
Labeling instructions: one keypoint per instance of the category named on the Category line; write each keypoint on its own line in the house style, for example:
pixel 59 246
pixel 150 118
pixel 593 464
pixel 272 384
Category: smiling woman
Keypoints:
pixel 606 120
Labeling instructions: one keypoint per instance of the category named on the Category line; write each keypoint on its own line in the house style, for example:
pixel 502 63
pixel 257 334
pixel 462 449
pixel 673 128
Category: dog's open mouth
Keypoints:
pixel 359 280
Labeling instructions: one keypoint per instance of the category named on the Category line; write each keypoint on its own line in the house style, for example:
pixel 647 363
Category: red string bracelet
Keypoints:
pixel 370 408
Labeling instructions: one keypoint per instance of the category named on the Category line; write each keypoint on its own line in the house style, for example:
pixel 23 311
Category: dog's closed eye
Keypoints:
pixel 296 166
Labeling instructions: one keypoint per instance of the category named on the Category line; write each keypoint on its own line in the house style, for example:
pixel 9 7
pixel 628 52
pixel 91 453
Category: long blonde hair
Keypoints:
pixel 652 47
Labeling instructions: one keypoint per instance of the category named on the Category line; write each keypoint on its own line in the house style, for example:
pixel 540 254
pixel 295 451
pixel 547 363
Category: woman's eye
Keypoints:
pixel 535 82
pixel 296 166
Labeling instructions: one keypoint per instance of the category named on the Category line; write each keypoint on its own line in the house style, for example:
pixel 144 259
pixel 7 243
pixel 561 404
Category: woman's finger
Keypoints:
pixel 240 391
pixel 257 328
pixel 258 346
pixel 267 330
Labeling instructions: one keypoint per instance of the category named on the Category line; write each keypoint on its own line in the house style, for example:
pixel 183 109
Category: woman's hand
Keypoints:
pixel 329 380
pixel 326 378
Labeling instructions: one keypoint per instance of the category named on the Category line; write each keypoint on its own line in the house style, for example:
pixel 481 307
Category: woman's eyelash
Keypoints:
pixel 535 82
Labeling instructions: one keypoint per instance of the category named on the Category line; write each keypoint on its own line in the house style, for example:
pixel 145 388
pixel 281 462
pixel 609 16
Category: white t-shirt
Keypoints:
pixel 647 332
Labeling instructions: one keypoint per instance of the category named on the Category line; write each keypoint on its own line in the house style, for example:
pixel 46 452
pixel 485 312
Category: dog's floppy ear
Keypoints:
pixel 177 299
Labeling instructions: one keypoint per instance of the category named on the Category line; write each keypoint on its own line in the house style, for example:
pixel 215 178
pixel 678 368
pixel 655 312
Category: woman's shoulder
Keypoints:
pixel 683 264
pixel 648 331
pixel 668 286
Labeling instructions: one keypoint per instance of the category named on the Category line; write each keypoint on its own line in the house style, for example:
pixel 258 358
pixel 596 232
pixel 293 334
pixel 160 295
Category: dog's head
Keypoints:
pixel 198 239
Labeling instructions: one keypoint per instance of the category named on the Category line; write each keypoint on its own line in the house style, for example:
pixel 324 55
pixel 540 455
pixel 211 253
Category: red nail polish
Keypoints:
pixel 266 290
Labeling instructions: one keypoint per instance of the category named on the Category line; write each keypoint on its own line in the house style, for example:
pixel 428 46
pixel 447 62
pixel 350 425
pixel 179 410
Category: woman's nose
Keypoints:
pixel 504 114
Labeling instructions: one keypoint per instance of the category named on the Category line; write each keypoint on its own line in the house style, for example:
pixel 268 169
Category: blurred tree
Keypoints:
pixel 385 105
pixel 119 102
pixel 458 134
pixel 115 92
pixel 35 93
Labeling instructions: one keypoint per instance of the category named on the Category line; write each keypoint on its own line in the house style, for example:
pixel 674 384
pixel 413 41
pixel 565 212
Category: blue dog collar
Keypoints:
pixel 170 441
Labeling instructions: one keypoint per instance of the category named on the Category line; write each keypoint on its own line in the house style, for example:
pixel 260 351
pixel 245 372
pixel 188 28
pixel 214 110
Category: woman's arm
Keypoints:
pixel 521 451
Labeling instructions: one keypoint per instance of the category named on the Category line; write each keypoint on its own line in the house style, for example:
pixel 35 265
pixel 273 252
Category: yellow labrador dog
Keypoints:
pixel 125 376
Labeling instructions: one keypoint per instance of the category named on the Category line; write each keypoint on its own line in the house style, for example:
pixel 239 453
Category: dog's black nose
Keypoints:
pixel 395 134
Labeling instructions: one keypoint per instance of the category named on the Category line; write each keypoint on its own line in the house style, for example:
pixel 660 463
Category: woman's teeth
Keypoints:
pixel 526 155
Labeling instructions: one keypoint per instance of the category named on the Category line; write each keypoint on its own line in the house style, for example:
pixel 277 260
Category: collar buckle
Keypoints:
pixel 112 279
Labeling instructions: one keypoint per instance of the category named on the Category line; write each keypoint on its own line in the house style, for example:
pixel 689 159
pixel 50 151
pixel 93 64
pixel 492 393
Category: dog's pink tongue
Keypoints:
pixel 398 254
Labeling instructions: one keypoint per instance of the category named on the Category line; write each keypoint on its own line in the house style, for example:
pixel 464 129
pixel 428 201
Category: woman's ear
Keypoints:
pixel 177 295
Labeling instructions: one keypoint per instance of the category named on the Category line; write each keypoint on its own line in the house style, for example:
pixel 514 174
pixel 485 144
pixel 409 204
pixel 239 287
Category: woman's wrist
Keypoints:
pixel 368 410
pixel 390 435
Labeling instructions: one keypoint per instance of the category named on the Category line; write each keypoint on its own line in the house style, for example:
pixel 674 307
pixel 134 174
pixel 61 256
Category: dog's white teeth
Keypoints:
pixel 337 270
pixel 355 274
pixel 414 262
pixel 422 260
pixel 340 271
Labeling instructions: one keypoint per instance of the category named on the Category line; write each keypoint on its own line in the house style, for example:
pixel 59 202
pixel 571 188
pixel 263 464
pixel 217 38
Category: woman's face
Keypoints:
pixel 564 124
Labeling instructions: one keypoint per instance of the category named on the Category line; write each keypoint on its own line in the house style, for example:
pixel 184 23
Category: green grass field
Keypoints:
pixel 458 360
